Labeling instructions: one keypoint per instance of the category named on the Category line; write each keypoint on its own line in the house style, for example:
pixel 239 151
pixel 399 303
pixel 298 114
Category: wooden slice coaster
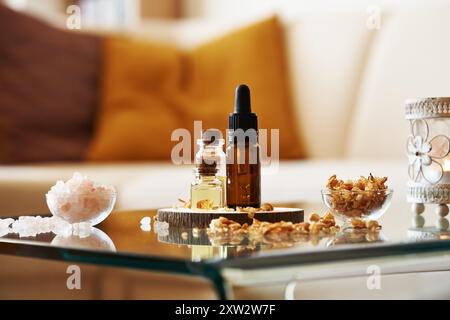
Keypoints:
pixel 188 218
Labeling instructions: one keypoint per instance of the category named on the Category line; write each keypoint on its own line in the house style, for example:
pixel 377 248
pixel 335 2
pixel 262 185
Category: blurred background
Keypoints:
pixel 99 88
pixel 350 65
pixel 103 97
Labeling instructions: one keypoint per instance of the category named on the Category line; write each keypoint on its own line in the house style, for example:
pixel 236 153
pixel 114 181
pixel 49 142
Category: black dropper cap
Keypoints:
pixel 242 118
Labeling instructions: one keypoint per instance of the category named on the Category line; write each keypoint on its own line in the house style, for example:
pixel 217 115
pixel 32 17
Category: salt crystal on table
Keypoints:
pixel 31 226
pixel 161 228
pixel 146 220
pixel 61 227
pixel 161 225
pixel 5 223
pixel 26 226
pixel 4 226
pixel 4 231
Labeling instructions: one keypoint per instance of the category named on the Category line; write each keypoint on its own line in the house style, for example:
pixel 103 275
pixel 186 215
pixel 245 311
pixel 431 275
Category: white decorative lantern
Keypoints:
pixel 428 148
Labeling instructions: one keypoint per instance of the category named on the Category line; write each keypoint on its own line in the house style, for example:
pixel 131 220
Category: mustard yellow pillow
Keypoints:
pixel 149 90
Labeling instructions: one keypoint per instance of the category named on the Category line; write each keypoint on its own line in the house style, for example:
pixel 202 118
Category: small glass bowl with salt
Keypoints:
pixel 80 200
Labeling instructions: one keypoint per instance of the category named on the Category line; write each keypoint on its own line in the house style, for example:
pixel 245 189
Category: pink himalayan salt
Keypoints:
pixel 161 228
pixel 81 200
pixel 31 226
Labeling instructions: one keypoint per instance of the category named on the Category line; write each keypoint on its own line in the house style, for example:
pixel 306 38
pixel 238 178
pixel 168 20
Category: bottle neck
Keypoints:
pixel 205 177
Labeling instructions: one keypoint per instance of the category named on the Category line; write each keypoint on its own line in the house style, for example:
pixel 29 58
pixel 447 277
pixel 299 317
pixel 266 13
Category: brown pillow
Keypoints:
pixel 149 90
pixel 48 90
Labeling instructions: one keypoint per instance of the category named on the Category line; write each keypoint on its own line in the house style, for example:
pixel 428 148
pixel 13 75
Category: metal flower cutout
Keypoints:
pixel 423 153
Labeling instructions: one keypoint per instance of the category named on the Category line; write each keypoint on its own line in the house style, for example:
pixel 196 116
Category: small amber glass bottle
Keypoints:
pixel 243 154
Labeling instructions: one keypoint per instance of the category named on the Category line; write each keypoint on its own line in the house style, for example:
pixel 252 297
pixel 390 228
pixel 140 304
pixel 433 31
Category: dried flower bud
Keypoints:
pixel 328 216
pixel 334 230
pixel 186 204
pixel 373 225
pixel 314 217
pixel 316 227
pixel 358 223
pixel 205 204
pixel 267 207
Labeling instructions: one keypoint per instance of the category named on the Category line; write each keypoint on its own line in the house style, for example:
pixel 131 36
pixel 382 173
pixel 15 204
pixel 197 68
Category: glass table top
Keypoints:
pixel 121 240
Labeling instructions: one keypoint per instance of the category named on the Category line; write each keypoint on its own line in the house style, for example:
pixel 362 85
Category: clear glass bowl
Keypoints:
pixel 364 205
pixel 81 207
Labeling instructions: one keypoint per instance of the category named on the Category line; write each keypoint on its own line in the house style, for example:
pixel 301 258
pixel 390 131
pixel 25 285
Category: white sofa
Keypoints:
pixel 348 82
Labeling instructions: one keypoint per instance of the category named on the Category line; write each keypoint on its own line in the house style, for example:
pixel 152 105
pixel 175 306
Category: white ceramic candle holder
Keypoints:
pixel 428 148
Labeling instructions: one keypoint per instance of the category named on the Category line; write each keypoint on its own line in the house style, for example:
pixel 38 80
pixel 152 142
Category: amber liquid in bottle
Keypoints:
pixel 243 158
pixel 243 180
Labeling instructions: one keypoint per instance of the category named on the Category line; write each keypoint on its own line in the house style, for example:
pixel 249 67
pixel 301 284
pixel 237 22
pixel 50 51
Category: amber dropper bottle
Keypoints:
pixel 243 158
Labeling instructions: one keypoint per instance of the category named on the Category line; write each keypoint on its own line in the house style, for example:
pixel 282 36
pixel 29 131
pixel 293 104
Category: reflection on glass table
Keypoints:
pixel 94 239
pixel 122 241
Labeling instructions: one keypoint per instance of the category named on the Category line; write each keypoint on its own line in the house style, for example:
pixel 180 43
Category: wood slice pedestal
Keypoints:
pixel 188 218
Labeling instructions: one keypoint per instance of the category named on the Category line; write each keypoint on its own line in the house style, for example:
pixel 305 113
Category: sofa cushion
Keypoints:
pixel 48 90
